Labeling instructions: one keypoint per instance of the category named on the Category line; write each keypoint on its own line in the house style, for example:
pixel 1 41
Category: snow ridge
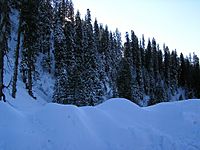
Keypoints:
pixel 117 124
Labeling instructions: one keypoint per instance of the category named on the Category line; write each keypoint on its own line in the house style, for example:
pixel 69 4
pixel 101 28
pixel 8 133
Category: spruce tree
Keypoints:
pixel 149 80
pixel 196 75
pixel 91 93
pixel 174 71
pixel 5 30
pixel 45 27
pixel 29 16
pixel 124 80
pixel 59 95
pixel 69 52
pixel 167 65
pixel 137 78
pixel 182 72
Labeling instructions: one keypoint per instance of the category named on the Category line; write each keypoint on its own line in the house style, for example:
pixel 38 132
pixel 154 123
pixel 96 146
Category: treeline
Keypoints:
pixel 89 63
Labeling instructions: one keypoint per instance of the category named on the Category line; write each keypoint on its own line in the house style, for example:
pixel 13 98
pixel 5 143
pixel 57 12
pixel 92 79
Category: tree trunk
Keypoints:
pixel 29 73
pixel 1 72
pixel 2 46
pixel 15 74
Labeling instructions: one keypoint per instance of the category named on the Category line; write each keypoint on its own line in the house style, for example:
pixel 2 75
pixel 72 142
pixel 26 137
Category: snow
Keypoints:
pixel 117 124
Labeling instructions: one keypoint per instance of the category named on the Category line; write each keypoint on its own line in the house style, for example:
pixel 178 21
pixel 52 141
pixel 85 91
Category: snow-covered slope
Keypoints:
pixel 117 124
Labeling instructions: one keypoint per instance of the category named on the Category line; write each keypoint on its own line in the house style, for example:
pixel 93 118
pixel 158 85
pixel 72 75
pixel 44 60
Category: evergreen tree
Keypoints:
pixel 116 55
pixel 196 75
pixel 5 30
pixel 97 35
pixel 29 15
pixel 188 64
pixel 92 92
pixel 174 71
pixel 45 30
pixel 149 80
pixel 79 60
pixel 124 80
pixel 69 52
pixel 134 48
pixel 155 60
pixel 166 64
pixel 160 61
pixel 127 49
pixel 138 84
pixel 182 71
pixel 59 95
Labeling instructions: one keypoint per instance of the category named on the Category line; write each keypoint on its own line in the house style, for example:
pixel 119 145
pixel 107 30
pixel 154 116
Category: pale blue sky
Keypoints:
pixel 175 22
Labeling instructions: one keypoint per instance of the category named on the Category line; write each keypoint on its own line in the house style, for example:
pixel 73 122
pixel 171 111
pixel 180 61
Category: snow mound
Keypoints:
pixel 117 124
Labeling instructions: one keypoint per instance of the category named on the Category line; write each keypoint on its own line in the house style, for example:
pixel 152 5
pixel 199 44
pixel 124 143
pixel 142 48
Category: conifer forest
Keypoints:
pixel 87 62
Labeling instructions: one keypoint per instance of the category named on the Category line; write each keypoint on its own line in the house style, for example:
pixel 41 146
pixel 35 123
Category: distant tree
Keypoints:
pixel 174 71
pixel 182 72
pixel 127 49
pixel 149 80
pixel 167 65
pixel 155 60
pixel 97 35
pixel 189 68
pixel 196 75
pixel 134 48
pixel 160 62
pixel 139 85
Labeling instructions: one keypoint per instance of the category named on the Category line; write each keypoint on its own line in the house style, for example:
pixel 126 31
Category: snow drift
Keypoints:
pixel 117 124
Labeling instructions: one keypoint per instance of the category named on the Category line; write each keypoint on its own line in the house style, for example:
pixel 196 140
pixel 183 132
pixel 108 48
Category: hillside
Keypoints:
pixel 72 59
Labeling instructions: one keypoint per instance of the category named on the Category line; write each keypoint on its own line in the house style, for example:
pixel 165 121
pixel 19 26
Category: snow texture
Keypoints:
pixel 117 124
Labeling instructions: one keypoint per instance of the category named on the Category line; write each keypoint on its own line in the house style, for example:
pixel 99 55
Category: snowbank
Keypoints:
pixel 117 124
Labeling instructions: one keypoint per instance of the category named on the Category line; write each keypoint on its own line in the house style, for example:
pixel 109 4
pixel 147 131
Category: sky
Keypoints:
pixel 173 22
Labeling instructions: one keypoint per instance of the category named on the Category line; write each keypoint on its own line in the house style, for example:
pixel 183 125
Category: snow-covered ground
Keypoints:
pixel 117 124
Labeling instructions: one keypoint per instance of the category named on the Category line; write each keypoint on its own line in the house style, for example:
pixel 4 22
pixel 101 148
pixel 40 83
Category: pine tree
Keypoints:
pixel 138 84
pixel 5 30
pixel 155 60
pixel 78 54
pixel 97 35
pixel 182 71
pixel 189 89
pixel 29 16
pixel 127 49
pixel 45 29
pixel 160 61
pixel 149 80
pixel 174 71
pixel 196 75
pixel 69 52
pixel 134 48
pixel 59 95
pixel 116 55
pixel 167 65
pixel 124 80
pixel 91 87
